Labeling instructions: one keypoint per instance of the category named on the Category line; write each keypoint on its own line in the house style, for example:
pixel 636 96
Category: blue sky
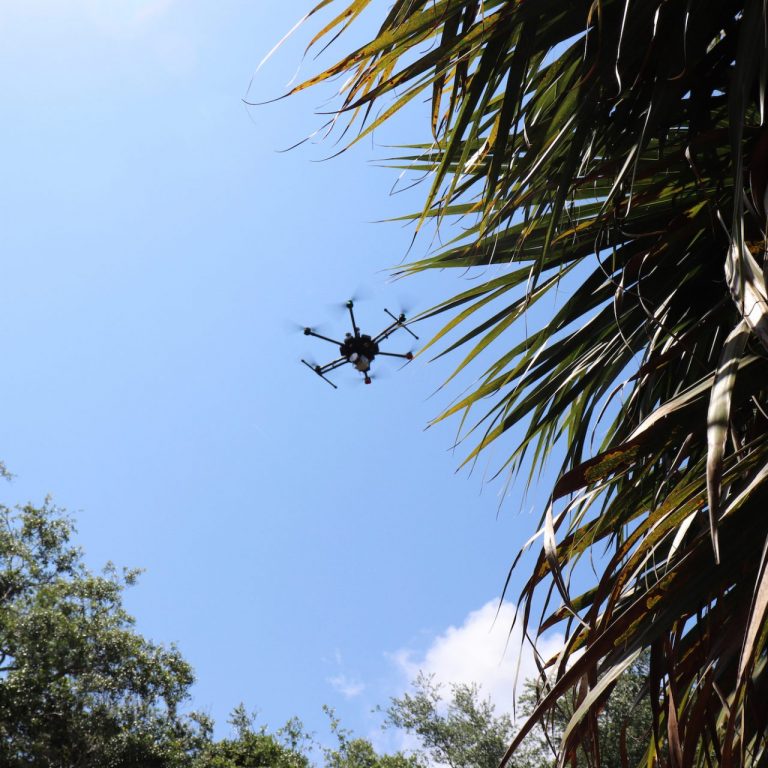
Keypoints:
pixel 302 545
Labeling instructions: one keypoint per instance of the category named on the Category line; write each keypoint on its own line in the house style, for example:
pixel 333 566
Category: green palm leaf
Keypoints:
pixel 599 151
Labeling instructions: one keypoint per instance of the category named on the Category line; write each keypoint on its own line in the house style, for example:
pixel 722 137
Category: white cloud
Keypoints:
pixel 346 686
pixel 480 650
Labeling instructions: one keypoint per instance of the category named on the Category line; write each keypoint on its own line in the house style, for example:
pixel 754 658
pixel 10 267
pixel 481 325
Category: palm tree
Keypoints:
pixel 613 151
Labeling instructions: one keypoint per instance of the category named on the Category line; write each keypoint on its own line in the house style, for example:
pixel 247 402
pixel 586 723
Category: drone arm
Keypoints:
pixel 309 332
pixel 406 356
pixel 333 365
pixel 400 322
pixel 355 329
pixel 386 333
pixel 319 373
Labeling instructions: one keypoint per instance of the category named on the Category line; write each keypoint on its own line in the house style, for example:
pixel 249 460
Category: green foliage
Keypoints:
pixel 465 732
pixel 251 748
pixel 78 686
pixel 623 724
pixel 353 752
pixel 611 158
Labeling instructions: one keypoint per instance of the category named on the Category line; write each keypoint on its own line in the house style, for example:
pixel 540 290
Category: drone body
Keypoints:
pixel 359 349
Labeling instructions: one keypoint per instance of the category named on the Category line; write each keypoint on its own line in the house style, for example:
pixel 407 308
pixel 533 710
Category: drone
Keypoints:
pixel 359 349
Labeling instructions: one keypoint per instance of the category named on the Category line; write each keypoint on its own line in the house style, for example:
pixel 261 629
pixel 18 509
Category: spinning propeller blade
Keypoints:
pixel 293 327
pixel 402 322
pixel 355 297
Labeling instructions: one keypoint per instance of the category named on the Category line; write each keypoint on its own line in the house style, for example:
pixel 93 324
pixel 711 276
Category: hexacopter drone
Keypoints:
pixel 359 349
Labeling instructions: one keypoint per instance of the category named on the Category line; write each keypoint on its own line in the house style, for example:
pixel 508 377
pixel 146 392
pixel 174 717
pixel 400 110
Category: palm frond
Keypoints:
pixel 602 148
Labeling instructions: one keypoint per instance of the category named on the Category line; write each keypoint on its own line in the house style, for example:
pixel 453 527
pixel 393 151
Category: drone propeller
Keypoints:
pixel 401 321
pixel 294 327
pixel 350 301
pixel 404 305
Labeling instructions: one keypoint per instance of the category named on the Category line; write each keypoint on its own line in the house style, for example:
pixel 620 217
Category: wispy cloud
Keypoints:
pixel 349 686
pixel 480 650
pixel 346 686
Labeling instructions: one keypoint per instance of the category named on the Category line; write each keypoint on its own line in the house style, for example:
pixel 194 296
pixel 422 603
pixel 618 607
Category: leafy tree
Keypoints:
pixel 352 752
pixel 610 156
pixel 78 686
pixel 463 732
pixel 623 723
pixel 255 748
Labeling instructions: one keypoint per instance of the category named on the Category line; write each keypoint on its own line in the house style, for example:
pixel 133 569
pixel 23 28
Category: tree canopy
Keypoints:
pixel 464 732
pixel 78 685
pixel 80 688
pixel 611 156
